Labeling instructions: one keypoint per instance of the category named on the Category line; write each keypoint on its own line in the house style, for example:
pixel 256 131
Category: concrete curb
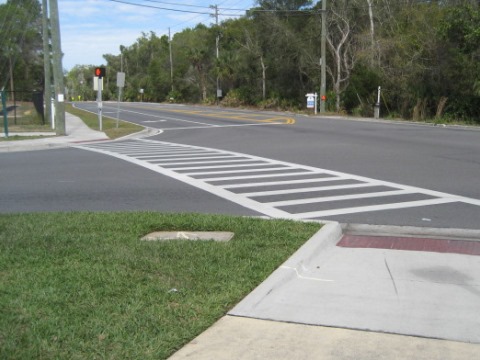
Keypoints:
pixel 316 246
pixel 239 335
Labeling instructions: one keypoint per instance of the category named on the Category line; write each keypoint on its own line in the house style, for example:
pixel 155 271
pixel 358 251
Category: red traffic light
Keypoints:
pixel 100 72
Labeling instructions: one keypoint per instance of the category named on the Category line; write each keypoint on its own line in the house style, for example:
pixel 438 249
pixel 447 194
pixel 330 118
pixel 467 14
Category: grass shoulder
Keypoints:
pixel 109 126
pixel 83 285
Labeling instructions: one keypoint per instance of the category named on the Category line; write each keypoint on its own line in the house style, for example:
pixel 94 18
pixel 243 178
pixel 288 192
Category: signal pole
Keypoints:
pixel 57 70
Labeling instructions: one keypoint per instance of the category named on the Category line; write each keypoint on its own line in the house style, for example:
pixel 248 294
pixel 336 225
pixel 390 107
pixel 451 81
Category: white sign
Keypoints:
pixel 310 102
pixel 95 83
pixel 120 79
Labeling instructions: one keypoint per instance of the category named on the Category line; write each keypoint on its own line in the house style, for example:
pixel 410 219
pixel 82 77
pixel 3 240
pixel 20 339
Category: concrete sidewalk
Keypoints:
pixel 76 129
pixel 334 300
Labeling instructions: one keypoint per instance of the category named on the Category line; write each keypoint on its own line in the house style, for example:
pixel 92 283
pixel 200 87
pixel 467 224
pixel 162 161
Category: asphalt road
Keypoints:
pixel 378 172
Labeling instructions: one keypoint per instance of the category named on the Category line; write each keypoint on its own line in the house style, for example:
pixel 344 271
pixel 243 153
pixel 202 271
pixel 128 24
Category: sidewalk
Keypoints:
pixel 76 130
pixel 380 293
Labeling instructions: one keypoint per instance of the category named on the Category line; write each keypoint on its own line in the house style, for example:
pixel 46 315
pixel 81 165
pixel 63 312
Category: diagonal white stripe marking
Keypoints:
pixel 391 206
pixel 309 189
pixel 338 198
pixel 285 182
pixel 166 154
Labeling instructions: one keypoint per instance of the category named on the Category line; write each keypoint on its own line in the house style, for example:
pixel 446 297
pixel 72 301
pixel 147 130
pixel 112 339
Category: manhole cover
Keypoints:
pixel 221 236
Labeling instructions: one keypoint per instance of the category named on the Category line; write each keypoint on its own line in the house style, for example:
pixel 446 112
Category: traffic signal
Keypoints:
pixel 100 72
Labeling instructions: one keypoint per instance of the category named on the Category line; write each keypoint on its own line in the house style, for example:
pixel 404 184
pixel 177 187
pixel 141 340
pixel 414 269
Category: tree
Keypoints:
pixel 21 46
pixel 341 42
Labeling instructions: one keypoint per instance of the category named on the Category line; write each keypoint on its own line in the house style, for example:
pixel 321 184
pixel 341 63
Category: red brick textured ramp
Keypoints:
pixel 411 244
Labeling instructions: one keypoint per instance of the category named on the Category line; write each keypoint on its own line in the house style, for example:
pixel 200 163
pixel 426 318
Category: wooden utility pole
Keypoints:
pixel 47 63
pixel 171 58
pixel 323 76
pixel 57 69
pixel 217 41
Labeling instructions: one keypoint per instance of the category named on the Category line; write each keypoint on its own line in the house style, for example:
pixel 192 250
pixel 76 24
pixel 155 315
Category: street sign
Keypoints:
pixel 95 83
pixel 120 79
pixel 310 102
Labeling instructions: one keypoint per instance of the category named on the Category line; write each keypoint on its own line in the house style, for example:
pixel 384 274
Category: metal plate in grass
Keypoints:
pixel 221 236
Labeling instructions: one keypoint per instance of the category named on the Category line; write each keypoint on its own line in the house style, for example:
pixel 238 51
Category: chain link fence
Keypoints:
pixel 23 108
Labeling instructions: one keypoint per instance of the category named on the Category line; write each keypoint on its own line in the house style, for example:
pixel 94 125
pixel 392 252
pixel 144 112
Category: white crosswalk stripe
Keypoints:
pixel 274 188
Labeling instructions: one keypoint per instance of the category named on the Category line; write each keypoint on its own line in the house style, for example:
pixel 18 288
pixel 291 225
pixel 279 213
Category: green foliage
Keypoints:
pixel 361 94
pixel 21 45
pixel 424 55
pixel 239 97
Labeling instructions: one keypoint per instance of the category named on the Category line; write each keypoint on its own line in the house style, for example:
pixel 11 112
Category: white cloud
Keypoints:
pixel 92 28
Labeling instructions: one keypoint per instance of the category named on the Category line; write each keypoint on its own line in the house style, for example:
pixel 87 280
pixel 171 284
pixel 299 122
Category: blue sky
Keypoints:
pixel 91 28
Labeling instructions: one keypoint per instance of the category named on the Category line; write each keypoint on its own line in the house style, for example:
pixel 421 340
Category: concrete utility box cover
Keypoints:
pixel 221 236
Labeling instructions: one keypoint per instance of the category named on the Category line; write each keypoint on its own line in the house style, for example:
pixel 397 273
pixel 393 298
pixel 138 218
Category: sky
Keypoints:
pixel 91 28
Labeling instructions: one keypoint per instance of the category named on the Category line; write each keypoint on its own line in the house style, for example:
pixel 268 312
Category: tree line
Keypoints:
pixel 425 56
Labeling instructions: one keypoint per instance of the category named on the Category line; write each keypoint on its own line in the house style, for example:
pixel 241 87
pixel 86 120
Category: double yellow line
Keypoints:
pixel 277 120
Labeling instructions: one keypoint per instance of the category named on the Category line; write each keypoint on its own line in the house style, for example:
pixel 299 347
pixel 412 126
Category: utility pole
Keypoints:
pixel 57 69
pixel 47 63
pixel 171 59
pixel 323 76
pixel 217 41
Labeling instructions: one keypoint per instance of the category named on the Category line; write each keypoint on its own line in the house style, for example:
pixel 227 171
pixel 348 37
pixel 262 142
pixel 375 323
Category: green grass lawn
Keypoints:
pixel 84 286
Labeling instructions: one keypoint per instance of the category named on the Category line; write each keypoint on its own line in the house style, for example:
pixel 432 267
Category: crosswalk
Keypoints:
pixel 274 188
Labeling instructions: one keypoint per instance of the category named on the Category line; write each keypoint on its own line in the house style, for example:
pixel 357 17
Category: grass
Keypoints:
pixel 109 126
pixel 83 286
pixel 19 137
pixel 91 120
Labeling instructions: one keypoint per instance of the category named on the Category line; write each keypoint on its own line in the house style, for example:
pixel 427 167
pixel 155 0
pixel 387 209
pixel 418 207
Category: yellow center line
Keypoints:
pixel 243 117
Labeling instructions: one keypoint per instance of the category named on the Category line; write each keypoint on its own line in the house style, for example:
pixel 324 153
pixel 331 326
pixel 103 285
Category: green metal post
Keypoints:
pixel 4 110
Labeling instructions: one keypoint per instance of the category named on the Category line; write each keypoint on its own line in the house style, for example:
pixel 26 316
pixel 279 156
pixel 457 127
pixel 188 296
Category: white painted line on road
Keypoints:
pixel 338 198
pixel 170 118
pixel 308 189
pixel 188 156
pixel 220 126
pixel 159 156
pixel 256 163
pixel 169 160
pixel 238 171
pixel 241 200
pixel 246 177
pixel 390 206
pixel 229 161
pixel 284 182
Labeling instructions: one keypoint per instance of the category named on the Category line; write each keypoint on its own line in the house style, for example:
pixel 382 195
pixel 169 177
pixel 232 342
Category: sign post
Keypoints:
pixel 120 85
pixel 376 112
pixel 4 111
pixel 312 101
pixel 100 72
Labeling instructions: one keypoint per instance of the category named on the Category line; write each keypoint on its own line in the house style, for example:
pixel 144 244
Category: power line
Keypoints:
pixel 160 8
pixel 304 12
